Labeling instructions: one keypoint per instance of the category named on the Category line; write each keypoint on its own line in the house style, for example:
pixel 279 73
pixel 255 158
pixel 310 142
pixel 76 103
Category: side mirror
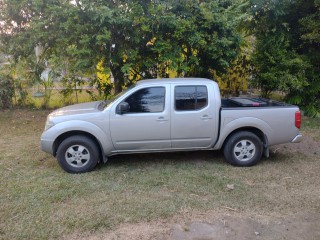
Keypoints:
pixel 123 107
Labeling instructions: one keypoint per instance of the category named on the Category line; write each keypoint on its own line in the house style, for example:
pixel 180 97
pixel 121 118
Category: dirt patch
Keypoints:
pixel 139 231
pixel 305 226
pixel 212 226
pixel 308 146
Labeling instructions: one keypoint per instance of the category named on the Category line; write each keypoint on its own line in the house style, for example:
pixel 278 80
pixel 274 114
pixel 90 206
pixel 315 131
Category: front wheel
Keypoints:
pixel 243 149
pixel 78 154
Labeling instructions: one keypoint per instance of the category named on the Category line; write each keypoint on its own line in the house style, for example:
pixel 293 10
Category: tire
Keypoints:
pixel 243 149
pixel 78 154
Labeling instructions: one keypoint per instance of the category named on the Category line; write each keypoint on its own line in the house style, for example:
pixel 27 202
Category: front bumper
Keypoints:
pixel 47 146
pixel 297 139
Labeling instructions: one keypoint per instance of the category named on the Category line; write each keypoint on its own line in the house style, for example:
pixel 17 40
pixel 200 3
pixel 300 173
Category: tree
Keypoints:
pixel 189 37
pixel 287 51
pixel 193 37
pixel 235 80
pixel 6 91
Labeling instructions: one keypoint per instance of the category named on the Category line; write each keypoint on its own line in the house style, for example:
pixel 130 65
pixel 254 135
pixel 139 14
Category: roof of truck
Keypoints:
pixel 173 80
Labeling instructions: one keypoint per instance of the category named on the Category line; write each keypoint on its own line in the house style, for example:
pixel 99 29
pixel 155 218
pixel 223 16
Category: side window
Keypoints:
pixel 147 100
pixel 189 98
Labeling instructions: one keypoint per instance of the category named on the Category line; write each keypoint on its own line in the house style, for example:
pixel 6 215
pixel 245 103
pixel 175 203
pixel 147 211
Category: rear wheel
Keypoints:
pixel 243 149
pixel 78 154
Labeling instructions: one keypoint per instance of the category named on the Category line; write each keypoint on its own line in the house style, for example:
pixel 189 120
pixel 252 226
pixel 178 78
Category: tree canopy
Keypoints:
pixel 134 39
pixel 287 52
pixel 139 37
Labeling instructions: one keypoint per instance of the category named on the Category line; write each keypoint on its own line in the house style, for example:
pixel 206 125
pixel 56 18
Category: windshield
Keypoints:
pixel 113 98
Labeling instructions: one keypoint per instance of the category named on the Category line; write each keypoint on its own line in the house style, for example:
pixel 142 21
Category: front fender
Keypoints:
pixel 49 137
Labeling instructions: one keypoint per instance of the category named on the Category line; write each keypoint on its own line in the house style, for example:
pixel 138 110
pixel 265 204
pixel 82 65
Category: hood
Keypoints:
pixel 82 108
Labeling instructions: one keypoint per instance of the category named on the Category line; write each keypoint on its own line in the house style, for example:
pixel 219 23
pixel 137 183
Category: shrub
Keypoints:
pixel 6 91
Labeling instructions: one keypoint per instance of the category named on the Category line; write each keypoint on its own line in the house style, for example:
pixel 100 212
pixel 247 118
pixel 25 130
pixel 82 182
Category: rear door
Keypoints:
pixel 192 118
pixel 147 124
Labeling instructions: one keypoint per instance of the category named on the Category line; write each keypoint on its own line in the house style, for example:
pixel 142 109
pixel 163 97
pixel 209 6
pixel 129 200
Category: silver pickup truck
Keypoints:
pixel 169 115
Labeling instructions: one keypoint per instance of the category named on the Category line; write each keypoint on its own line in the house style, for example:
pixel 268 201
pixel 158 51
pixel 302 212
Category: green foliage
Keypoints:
pixel 195 37
pixel 6 91
pixel 71 83
pixel 190 36
pixel 310 24
pixel 235 81
pixel 276 66
pixel 287 53
pixel 149 39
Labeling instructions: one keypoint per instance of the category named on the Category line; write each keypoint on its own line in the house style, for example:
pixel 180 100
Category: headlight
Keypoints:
pixel 48 125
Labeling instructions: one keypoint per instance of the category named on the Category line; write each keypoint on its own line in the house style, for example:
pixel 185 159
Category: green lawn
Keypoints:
pixel 40 201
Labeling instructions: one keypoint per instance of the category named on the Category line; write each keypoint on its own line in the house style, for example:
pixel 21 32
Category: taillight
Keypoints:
pixel 298 119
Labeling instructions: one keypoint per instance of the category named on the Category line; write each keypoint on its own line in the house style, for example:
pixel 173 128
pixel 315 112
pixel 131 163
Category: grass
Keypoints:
pixel 40 201
pixel 57 99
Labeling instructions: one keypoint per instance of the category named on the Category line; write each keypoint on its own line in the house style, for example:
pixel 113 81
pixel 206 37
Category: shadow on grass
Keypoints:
pixel 193 159
pixel 172 158
pixel 196 158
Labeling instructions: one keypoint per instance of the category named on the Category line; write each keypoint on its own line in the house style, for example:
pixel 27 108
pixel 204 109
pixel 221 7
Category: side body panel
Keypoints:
pixel 277 123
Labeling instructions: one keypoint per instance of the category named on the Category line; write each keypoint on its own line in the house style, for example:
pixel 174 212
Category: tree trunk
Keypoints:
pixel 118 79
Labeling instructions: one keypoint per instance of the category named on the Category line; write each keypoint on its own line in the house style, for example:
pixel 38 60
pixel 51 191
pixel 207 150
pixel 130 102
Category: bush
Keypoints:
pixel 6 91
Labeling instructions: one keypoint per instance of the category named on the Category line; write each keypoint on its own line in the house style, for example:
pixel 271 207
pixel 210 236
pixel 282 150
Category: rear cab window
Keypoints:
pixel 190 98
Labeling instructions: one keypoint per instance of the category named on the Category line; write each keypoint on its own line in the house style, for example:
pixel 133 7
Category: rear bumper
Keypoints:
pixel 297 139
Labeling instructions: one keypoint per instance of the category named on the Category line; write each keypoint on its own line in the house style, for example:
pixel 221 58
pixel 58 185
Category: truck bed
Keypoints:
pixel 237 102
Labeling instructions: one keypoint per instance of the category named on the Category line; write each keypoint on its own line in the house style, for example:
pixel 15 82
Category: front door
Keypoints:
pixel 146 126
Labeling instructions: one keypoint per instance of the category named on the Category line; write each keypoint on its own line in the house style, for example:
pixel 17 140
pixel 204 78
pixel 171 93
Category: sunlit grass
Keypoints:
pixel 35 97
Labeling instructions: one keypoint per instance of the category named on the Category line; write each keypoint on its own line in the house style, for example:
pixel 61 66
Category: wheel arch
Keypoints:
pixel 259 133
pixel 65 135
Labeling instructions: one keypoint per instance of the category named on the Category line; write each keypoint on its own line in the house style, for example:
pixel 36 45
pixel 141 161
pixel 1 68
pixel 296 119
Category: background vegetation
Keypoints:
pixel 270 45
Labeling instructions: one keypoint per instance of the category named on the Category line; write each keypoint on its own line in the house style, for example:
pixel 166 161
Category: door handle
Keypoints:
pixel 205 117
pixel 162 119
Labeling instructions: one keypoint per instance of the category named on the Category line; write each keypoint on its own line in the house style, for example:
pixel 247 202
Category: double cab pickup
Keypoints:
pixel 161 115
